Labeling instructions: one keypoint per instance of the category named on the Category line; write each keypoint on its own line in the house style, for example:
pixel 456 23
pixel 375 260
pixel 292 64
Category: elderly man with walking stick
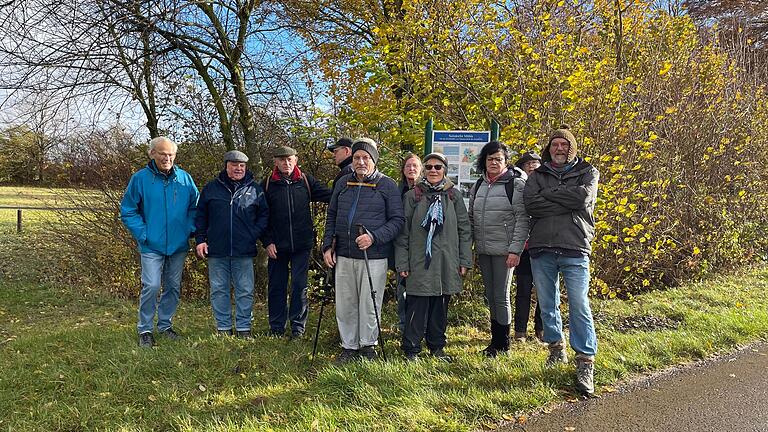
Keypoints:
pixel 364 217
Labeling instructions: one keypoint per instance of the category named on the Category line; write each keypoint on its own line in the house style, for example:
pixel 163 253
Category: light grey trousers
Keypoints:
pixel 354 306
pixel 497 278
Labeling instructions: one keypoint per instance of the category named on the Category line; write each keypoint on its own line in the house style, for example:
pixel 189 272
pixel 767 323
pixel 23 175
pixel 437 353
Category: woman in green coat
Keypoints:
pixel 432 254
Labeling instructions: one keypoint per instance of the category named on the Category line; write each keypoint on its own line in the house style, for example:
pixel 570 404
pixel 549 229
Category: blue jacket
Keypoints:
pixel 374 202
pixel 159 209
pixel 231 216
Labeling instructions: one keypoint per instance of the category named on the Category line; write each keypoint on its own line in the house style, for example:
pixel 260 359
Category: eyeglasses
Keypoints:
pixel 495 159
pixel 434 167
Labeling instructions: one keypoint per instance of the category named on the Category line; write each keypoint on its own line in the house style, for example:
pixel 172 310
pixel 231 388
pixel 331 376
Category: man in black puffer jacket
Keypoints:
pixel 290 239
pixel 231 217
pixel 366 198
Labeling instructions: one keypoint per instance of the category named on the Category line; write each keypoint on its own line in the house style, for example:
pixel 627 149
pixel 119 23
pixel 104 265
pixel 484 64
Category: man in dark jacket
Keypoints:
pixel 365 214
pixel 342 155
pixel 560 197
pixel 290 239
pixel 232 215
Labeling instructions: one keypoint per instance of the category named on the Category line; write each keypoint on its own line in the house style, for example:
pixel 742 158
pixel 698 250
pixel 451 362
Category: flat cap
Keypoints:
pixel 235 156
pixel 283 151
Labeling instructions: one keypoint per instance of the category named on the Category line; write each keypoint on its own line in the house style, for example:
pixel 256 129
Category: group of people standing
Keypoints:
pixel 533 220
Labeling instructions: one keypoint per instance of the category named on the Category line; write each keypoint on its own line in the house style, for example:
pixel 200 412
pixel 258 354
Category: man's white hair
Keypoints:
pixel 157 140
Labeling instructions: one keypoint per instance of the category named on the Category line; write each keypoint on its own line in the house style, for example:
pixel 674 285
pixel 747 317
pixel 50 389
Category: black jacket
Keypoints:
pixel 291 227
pixel 561 206
pixel 231 217
pixel 379 208
pixel 345 167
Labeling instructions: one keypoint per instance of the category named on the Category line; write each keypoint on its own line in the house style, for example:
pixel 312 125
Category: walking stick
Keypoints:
pixel 327 288
pixel 362 231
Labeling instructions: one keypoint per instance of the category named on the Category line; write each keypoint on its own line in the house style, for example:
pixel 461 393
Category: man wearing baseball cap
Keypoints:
pixel 364 217
pixel 232 215
pixel 342 155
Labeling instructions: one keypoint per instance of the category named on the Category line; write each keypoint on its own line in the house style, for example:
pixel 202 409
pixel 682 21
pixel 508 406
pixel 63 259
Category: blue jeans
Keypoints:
pixel 237 271
pixel 546 269
pixel 277 293
pixel 157 270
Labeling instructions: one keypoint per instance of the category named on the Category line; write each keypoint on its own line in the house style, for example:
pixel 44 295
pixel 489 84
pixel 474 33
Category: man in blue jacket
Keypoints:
pixel 158 208
pixel 231 217
pixel 369 200
pixel 289 239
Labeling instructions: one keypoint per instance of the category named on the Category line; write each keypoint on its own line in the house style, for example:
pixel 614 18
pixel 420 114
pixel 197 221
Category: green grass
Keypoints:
pixel 68 360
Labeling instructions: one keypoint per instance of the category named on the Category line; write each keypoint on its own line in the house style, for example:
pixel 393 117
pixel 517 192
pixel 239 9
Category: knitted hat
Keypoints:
pixel 367 145
pixel 435 155
pixel 527 157
pixel 283 151
pixel 565 133
pixel 342 142
pixel 235 156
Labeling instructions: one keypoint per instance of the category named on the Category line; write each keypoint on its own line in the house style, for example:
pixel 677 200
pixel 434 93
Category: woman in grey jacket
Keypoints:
pixel 432 253
pixel 500 229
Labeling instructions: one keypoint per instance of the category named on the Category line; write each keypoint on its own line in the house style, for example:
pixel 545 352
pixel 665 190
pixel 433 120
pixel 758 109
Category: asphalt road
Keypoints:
pixel 729 393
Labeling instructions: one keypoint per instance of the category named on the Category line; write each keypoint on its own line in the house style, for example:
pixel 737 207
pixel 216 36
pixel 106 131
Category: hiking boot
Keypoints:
pixel 411 357
pixel 346 356
pixel 170 334
pixel 369 352
pixel 223 333
pixel 276 333
pixel 441 355
pixel 244 334
pixel 585 373
pixel 146 340
pixel 556 356
pixel 520 337
pixel 297 335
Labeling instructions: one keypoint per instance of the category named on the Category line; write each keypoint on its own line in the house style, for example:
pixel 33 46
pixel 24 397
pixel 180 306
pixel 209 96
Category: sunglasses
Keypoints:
pixel 435 167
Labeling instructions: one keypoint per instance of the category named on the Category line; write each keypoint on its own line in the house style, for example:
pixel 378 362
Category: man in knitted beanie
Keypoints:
pixel 560 198
pixel 364 217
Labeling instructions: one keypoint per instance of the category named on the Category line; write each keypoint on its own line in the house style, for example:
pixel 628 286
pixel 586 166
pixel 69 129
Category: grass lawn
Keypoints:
pixel 69 361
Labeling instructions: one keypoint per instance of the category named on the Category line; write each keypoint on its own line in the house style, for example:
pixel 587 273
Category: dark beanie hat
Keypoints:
pixel 565 133
pixel 367 145
pixel 527 157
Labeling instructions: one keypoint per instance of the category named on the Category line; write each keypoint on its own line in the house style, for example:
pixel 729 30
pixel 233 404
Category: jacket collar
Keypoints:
pixel 152 166
pixel 294 177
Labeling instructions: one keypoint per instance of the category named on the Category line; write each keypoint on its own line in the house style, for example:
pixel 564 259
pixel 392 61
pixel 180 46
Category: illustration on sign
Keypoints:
pixel 461 149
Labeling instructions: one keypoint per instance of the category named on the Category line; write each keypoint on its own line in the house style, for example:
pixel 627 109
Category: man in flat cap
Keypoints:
pixel 365 214
pixel 158 208
pixel 289 239
pixel 342 155
pixel 231 217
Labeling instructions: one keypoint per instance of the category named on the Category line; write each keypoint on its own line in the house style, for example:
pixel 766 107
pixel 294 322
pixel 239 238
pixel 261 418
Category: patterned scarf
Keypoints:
pixel 433 220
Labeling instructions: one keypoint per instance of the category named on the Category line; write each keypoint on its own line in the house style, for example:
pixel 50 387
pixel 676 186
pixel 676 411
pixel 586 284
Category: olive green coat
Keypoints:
pixel 451 247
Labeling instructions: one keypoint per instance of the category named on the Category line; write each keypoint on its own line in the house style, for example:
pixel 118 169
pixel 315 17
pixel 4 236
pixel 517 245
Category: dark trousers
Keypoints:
pixel 278 270
pixel 524 282
pixel 425 316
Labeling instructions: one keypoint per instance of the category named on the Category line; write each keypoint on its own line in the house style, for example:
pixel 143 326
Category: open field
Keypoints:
pixel 36 220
